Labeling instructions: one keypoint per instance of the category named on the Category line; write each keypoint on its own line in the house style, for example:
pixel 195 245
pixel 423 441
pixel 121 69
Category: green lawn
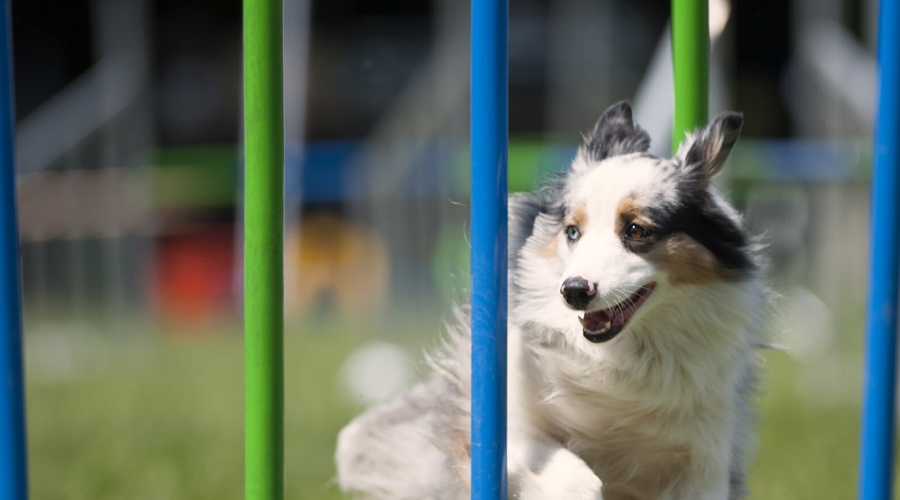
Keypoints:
pixel 807 442
pixel 162 419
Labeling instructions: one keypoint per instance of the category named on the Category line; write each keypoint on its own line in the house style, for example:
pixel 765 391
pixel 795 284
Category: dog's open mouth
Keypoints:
pixel 602 326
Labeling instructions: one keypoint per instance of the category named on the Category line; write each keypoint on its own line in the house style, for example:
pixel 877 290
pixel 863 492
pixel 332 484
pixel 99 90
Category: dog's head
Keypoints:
pixel 625 228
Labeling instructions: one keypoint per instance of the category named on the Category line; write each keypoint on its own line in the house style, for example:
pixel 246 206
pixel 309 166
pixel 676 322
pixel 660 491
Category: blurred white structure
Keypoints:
pixel 376 372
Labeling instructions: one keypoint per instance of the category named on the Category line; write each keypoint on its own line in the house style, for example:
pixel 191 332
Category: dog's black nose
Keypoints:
pixel 578 292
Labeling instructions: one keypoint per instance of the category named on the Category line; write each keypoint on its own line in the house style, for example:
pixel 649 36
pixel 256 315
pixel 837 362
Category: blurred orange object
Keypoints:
pixel 194 275
pixel 333 259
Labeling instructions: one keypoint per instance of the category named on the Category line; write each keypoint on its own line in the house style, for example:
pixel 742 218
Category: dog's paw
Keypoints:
pixel 563 477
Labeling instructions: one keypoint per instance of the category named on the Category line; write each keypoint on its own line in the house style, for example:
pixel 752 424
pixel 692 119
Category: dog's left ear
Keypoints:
pixel 615 134
pixel 705 151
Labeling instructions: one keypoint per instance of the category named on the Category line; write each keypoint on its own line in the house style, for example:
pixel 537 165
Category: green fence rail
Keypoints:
pixel 263 251
pixel 690 55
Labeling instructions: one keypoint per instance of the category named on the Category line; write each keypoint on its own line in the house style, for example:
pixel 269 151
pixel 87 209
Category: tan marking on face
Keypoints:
pixel 577 217
pixel 628 210
pixel 685 260
pixel 552 247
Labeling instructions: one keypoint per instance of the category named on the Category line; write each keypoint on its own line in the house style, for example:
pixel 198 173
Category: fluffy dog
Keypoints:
pixel 635 305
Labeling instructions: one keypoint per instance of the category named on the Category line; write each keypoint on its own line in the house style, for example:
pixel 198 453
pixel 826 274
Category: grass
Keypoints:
pixel 161 418
pixel 164 420
pixel 807 443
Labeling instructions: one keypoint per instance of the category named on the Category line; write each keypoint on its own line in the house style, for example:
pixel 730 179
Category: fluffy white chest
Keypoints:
pixel 641 419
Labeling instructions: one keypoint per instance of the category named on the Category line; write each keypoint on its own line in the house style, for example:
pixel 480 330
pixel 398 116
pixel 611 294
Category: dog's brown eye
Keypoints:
pixel 636 232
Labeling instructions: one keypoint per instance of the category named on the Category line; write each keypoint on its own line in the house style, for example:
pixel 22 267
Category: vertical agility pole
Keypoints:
pixel 13 463
pixel 263 251
pixel 690 56
pixel 489 258
pixel 877 447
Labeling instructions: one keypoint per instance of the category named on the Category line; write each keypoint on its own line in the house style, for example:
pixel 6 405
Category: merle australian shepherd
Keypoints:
pixel 635 305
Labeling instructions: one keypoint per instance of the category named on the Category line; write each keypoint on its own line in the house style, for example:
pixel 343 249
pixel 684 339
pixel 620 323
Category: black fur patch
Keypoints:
pixel 698 217
pixel 616 134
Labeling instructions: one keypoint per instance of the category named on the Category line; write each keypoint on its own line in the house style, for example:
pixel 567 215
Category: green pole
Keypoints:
pixel 263 252
pixel 690 54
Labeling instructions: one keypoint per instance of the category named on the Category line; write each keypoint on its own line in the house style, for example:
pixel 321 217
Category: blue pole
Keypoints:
pixel 13 464
pixel 489 153
pixel 877 448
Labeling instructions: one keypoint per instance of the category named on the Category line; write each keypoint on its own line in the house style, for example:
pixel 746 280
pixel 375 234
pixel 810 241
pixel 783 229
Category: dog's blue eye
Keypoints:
pixel 573 233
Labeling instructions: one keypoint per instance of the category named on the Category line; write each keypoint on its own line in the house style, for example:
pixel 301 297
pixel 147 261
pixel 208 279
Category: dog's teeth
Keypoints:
pixel 582 321
pixel 607 325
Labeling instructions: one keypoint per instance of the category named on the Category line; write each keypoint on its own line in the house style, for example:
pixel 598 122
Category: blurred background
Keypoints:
pixel 129 189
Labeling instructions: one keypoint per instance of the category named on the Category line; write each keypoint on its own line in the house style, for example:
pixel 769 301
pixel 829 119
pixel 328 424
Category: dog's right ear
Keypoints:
pixel 615 134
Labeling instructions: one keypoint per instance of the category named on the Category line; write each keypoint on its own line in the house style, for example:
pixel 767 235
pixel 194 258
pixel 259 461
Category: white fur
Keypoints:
pixel 660 412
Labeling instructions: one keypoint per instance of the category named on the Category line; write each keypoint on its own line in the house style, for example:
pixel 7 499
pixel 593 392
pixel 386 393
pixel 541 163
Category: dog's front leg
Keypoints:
pixel 541 469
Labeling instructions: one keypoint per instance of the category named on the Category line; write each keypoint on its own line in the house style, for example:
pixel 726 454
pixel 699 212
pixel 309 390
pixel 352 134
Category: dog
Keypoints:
pixel 636 305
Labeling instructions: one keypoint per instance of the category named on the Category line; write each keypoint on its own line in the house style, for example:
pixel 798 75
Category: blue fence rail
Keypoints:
pixel 877 448
pixel 13 463
pixel 489 184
